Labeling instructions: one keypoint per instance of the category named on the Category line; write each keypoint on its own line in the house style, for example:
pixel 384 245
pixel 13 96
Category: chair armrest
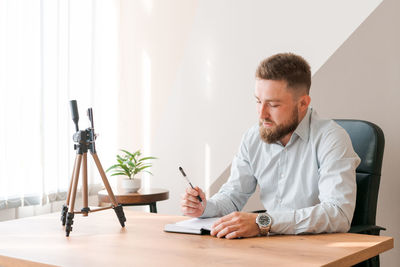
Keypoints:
pixel 366 229
pixel 258 211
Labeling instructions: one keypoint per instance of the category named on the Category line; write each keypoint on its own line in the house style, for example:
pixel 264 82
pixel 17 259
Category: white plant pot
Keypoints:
pixel 131 185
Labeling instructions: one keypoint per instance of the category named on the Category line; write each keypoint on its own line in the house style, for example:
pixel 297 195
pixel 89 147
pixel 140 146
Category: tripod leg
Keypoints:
pixel 70 221
pixel 72 179
pixel 70 215
pixel 104 178
pixel 85 208
pixel 120 214
pixel 64 214
pixel 117 208
pixel 65 206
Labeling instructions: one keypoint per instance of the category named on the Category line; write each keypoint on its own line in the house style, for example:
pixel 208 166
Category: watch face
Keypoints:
pixel 264 220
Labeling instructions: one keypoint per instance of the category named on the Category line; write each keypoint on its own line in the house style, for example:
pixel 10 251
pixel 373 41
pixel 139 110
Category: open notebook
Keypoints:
pixel 192 226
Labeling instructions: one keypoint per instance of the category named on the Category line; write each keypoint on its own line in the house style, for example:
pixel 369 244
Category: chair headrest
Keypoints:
pixel 368 142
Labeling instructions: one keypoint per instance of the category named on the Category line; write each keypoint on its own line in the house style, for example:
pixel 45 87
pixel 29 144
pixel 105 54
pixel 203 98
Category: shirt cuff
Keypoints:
pixel 282 222
pixel 210 210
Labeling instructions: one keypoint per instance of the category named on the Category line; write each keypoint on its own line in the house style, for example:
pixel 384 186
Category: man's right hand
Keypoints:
pixel 191 205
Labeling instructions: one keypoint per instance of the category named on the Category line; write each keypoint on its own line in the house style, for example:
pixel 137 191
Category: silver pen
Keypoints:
pixel 187 180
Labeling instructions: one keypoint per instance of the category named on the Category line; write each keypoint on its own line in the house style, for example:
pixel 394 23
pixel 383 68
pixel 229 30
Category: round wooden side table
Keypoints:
pixel 145 196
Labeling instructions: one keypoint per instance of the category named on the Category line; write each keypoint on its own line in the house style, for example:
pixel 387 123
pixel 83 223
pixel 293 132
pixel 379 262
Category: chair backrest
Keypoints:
pixel 368 142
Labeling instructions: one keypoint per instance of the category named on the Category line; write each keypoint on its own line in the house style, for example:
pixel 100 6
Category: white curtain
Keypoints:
pixel 52 51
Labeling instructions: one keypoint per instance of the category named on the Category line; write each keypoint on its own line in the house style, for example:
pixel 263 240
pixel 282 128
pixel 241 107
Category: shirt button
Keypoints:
pixel 282 175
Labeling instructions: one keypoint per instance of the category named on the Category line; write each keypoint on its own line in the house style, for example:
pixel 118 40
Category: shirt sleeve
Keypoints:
pixel 234 194
pixel 337 191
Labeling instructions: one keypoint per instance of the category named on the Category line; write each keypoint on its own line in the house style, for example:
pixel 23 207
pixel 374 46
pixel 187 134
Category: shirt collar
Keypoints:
pixel 303 129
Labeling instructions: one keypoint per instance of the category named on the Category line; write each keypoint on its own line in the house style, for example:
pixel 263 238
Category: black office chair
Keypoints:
pixel 368 142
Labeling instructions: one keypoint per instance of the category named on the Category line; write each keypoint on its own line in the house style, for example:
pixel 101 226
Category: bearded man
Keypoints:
pixel 305 166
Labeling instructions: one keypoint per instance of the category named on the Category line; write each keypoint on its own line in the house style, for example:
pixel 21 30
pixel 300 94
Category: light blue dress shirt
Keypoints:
pixel 307 186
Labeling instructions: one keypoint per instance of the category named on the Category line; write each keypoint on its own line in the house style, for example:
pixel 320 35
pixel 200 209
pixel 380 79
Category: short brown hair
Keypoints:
pixel 288 67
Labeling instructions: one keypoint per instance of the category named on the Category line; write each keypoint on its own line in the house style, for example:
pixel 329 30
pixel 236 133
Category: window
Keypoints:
pixel 52 52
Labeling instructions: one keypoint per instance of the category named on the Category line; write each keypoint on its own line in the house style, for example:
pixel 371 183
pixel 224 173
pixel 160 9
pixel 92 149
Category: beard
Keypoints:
pixel 277 132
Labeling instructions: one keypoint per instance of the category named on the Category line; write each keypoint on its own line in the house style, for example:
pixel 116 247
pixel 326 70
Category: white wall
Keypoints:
pixel 188 69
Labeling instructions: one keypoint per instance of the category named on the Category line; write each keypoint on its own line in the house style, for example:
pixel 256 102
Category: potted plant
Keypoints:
pixel 130 165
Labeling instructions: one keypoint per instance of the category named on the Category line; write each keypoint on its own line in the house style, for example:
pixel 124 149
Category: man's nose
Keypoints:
pixel 264 111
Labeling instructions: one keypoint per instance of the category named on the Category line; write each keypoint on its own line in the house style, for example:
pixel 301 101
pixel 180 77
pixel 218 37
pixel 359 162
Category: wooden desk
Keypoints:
pixel 99 240
pixel 145 196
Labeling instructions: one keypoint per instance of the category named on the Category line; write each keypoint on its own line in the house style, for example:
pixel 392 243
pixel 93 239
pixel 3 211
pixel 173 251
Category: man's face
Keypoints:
pixel 277 110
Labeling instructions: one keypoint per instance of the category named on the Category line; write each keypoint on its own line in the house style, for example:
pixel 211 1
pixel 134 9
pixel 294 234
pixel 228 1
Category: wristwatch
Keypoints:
pixel 264 222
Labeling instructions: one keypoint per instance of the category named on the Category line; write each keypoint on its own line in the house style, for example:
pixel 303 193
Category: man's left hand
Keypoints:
pixel 236 224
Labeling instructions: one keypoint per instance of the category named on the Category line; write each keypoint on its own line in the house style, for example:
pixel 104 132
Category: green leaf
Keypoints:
pixel 135 155
pixel 120 159
pixel 130 163
pixel 147 158
pixel 126 169
pixel 139 166
pixel 118 173
pixel 142 168
pixel 112 167
pixel 127 152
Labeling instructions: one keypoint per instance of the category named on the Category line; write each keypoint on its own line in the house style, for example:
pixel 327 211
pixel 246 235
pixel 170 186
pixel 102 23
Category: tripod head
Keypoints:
pixel 74 113
pixel 84 139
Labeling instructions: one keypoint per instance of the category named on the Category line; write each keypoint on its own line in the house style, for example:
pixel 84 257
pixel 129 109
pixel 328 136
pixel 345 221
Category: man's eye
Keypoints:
pixel 258 102
pixel 273 105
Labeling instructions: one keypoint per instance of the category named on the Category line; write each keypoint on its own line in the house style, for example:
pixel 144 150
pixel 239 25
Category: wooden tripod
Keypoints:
pixel 85 140
pixel 68 212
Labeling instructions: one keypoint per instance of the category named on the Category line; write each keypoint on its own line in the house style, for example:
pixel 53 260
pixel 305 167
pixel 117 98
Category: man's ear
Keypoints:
pixel 304 102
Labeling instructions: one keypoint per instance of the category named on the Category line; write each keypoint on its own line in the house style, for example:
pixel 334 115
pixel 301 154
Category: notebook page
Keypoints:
pixel 197 223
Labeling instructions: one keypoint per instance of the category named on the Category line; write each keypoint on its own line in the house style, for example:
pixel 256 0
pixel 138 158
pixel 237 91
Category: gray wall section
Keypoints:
pixel 361 80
